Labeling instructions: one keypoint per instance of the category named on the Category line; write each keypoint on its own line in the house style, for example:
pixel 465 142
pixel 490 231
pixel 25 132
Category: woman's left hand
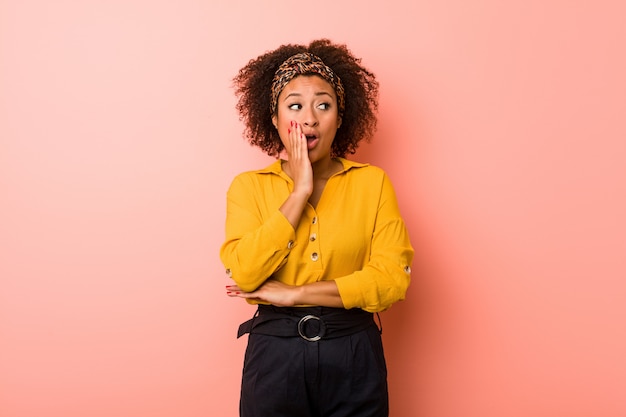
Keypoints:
pixel 272 292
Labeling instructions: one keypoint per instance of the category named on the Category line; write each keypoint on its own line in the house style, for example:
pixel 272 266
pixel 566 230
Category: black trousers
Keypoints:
pixel 342 376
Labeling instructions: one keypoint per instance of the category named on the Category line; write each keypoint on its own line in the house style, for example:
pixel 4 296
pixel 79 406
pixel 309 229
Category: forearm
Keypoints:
pixel 293 207
pixel 323 293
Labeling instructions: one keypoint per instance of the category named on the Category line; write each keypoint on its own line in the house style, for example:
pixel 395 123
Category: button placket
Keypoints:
pixel 314 242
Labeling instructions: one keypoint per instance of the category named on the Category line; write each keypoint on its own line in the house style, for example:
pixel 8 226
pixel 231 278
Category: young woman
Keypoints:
pixel 316 240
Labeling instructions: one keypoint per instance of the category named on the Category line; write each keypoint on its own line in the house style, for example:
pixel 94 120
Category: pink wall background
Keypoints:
pixel 501 125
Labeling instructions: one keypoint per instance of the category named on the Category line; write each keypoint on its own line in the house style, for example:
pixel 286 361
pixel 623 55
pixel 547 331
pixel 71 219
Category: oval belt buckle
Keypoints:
pixel 304 320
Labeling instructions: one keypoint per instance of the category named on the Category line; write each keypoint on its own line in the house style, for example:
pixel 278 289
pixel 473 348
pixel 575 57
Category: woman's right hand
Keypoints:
pixel 298 167
pixel 299 164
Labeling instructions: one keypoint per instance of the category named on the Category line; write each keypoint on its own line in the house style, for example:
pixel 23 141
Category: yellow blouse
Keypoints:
pixel 355 236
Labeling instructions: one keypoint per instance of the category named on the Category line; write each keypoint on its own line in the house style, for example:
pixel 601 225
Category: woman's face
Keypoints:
pixel 311 102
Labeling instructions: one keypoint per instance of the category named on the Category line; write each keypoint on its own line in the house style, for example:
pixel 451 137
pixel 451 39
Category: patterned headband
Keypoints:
pixel 305 64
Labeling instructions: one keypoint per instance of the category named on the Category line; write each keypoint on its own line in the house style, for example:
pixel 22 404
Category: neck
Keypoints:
pixel 324 168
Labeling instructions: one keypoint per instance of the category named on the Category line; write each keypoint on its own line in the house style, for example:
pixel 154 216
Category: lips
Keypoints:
pixel 311 141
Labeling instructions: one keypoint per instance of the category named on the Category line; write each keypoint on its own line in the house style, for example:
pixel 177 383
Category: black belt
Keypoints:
pixel 309 323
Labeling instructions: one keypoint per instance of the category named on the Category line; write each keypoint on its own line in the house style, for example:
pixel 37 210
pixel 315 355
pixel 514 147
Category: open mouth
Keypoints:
pixel 311 141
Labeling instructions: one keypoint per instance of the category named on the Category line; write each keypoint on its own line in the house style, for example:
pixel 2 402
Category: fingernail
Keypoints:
pixel 288 130
pixel 291 123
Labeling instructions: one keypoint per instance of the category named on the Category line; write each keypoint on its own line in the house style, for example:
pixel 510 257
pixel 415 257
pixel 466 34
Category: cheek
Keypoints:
pixel 285 126
pixel 283 132
pixel 282 123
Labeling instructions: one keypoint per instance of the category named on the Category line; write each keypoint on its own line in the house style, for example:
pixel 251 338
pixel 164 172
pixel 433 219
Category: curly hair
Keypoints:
pixel 253 86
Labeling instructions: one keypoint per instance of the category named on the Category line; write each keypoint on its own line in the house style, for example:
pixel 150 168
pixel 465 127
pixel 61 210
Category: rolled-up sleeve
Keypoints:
pixel 385 278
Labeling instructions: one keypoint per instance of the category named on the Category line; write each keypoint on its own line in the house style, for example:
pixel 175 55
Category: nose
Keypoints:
pixel 309 118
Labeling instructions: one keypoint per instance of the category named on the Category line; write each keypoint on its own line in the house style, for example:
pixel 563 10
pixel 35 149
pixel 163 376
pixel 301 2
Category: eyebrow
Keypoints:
pixel 319 93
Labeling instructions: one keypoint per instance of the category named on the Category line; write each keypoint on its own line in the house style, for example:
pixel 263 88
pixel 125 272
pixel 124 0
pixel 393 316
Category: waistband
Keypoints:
pixel 310 323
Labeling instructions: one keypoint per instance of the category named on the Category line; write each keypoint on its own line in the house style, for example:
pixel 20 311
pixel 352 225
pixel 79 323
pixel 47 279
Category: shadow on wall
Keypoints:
pixel 396 149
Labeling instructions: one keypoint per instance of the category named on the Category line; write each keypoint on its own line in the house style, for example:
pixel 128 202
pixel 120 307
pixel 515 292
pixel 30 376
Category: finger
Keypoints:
pixel 295 139
pixel 302 148
pixel 233 290
pixel 246 295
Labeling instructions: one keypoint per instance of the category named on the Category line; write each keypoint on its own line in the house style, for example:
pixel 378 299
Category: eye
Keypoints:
pixel 324 106
pixel 295 106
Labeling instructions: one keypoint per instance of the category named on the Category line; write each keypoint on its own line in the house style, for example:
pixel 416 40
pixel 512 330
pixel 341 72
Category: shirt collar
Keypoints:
pixel 276 168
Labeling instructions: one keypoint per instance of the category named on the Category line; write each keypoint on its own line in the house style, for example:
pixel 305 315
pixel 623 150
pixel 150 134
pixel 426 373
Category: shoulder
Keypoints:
pixel 369 179
pixel 252 178
pixel 364 171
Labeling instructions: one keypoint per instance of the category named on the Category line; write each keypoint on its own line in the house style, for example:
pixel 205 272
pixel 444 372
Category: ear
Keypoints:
pixel 275 121
pixel 339 120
